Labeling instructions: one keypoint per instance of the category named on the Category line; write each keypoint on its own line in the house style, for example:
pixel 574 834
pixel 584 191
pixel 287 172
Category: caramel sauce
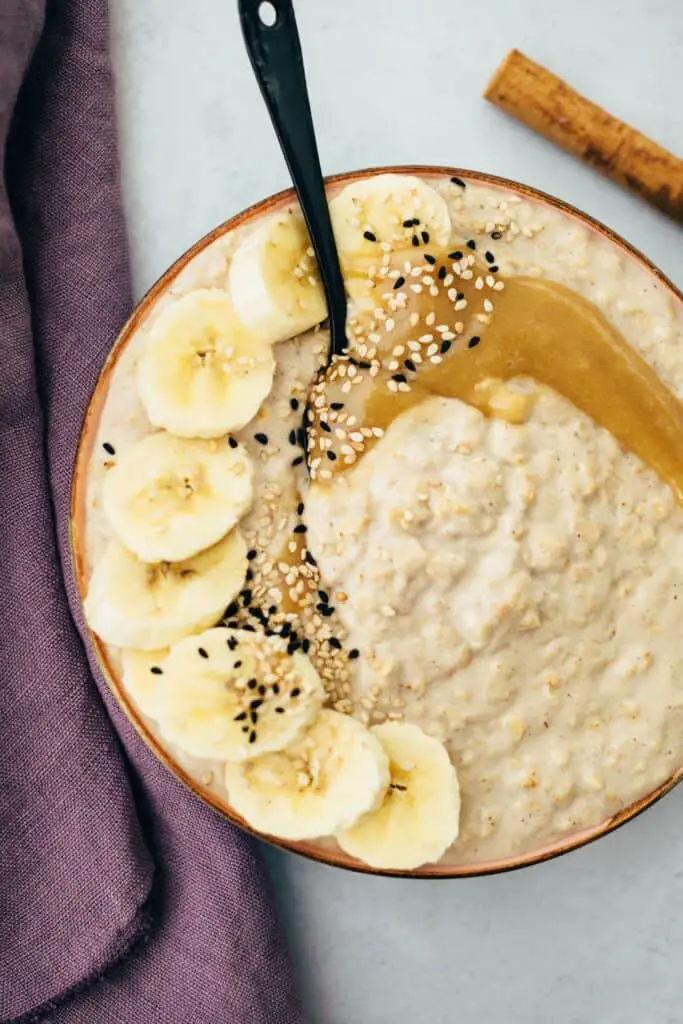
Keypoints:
pixel 530 327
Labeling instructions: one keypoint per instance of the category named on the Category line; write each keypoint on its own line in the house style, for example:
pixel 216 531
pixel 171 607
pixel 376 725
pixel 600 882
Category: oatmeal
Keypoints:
pixel 489 545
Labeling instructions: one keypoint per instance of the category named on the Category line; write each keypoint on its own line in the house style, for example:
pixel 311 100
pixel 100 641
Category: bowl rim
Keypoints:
pixel 331 857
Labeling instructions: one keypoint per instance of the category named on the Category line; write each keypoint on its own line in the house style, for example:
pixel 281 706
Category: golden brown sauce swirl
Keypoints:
pixel 453 328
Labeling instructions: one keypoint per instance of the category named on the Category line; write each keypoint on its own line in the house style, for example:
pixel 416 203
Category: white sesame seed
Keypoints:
pixel 488 305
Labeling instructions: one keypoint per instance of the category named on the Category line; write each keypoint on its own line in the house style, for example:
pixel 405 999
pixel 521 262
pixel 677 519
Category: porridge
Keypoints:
pixel 422 600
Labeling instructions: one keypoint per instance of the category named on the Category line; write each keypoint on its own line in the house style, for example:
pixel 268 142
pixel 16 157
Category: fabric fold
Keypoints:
pixel 122 898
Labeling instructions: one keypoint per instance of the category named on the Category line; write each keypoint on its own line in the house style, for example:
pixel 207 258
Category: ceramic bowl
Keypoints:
pixel 324 853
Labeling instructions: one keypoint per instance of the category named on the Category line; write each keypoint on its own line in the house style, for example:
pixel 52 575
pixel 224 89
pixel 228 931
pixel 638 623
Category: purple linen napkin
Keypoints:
pixel 122 898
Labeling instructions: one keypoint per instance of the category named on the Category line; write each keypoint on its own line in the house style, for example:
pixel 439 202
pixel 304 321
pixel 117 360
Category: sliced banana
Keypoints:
pixel 273 279
pixel 131 603
pixel 203 373
pixel 233 694
pixel 168 498
pixel 392 209
pixel 142 672
pixel 419 818
pixel 336 772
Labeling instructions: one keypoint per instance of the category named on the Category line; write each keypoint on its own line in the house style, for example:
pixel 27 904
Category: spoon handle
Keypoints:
pixel 275 54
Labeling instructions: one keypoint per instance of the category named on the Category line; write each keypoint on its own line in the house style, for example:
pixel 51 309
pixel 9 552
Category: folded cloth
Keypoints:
pixel 122 898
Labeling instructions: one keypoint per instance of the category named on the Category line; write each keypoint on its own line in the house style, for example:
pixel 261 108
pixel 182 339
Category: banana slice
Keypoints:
pixel 391 209
pixel 420 816
pixel 273 279
pixel 202 373
pixel 232 694
pixel 142 672
pixel 134 604
pixel 336 772
pixel 169 498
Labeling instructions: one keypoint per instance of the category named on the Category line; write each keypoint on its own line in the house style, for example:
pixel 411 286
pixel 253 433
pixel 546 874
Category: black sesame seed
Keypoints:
pixel 232 624
pixel 252 737
pixel 354 653
pixel 333 642
pixel 471 244
pixel 369 235
pixel 261 438
pixel 489 257
pixel 257 614
pixel 300 508
pixel 285 629
pixel 474 341
pixel 279 711
pixel 246 597
pixel 245 728
pixel 410 365
pixel 254 704
pixel 241 717
pixel 251 684
pixel 262 690
pixel 445 345
pixel 156 671
pixel 457 255
pixel 272 609
pixel 238 664
pixel 458 181
pixel 416 221
pixel 399 282
pixel 295 692
pixel 109 448
pixel 495 235
pixel 298 460
pixel 364 364
pixel 408 223
pixel 326 427
pixel 459 296
pixel 310 558
pixel 292 437
pixel 253 715
pixel 494 269
pixel 294 403
pixel 416 240
pixel 232 442
pixel 231 610
pixel 305 646
pixel 442 273
pixel 202 652
pixel 324 596
pixel 249 576
pixel 300 528
pixel 232 643
pixel 332 456
pixel 400 378
pixel 326 612
pixel 251 554
pixel 430 259
pixel 336 406
pixel 293 646
pixel 425 237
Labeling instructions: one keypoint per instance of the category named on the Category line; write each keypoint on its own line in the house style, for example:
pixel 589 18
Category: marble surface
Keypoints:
pixel 592 938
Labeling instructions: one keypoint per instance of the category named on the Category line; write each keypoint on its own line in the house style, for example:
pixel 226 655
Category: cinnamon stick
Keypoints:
pixel 546 103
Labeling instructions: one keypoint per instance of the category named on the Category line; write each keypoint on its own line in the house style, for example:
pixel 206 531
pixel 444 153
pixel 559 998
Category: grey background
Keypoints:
pixel 593 938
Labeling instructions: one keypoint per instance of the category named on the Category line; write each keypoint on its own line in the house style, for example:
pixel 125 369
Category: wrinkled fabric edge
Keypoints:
pixel 139 932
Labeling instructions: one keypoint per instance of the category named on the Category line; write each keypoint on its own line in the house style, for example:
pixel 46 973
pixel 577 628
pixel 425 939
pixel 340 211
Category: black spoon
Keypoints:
pixel 272 42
